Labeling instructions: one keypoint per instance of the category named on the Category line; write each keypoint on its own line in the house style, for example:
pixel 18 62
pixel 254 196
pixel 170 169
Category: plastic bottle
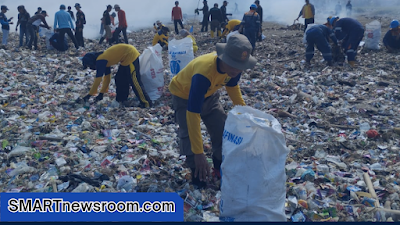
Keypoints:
pixel 83 187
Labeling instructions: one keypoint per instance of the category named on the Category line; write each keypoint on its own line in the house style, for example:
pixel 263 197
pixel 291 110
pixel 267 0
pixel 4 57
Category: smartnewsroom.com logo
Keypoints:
pixel 59 205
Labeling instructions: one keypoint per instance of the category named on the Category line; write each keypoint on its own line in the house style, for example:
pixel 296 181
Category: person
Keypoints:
pixel 184 33
pixel 158 25
pixel 71 13
pixel 204 23
pixel 112 18
pixel 80 22
pixel 308 13
pixel 5 25
pixel 236 8
pixel 195 97
pixel 260 12
pixel 161 37
pixel 23 17
pixel 349 8
pixel 232 25
pixel 39 11
pixel 54 42
pixel 216 20
pixel 122 24
pixel 392 37
pixel 250 25
pixel 224 14
pixel 63 24
pixel 319 35
pixel 106 25
pixel 338 8
pixel 350 32
pixel 177 16
pixel 36 21
pixel 127 56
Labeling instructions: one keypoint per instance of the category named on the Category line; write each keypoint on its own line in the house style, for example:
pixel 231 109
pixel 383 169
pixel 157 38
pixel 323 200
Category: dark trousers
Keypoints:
pixel 213 116
pixel 62 33
pixel 204 24
pixel 259 37
pixel 308 21
pixel 316 37
pixel 32 30
pixel 176 25
pixel 129 76
pixel 79 37
pixel 23 31
pixel 351 42
pixel 251 34
pixel 118 31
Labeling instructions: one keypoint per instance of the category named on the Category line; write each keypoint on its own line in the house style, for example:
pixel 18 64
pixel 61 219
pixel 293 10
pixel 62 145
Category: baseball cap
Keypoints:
pixel 77 5
pixel 4 7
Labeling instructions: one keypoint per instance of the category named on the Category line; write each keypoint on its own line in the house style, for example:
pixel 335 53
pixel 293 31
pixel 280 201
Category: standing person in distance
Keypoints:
pixel 80 21
pixel 224 14
pixel 349 8
pixel 63 21
pixel 23 17
pixel 122 24
pixel 5 25
pixel 204 23
pixel 39 10
pixel 260 13
pixel 308 13
pixel 216 19
pixel 250 26
pixel 71 13
pixel 107 25
pixel 177 16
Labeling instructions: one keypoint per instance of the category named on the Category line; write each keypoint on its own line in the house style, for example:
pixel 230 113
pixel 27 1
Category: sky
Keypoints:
pixel 142 14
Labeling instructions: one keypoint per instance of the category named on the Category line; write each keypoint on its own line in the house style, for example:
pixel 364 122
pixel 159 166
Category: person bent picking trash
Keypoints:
pixel 195 97
pixel 158 25
pixel 319 35
pixel 161 37
pixel 392 37
pixel 184 33
pixel 128 73
pixel 232 25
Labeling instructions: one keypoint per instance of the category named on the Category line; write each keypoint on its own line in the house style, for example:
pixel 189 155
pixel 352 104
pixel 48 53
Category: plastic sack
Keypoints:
pixel 48 35
pixel 373 35
pixel 253 167
pixel 152 71
pixel 305 32
pixel 180 53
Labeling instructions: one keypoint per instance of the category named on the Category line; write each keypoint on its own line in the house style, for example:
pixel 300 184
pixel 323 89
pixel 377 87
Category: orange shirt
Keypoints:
pixel 122 19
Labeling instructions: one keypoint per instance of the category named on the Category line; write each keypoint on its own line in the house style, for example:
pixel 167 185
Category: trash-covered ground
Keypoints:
pixel 340 123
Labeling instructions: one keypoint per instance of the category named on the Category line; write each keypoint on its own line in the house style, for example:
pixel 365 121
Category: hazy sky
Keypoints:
pixel 142 14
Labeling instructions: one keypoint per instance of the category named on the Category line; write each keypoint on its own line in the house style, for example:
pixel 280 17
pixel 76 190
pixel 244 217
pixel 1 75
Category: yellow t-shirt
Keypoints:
pixel 120 53
pixel 308 12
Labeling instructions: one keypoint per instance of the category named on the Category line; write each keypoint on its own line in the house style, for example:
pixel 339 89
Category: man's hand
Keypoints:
pixel 202 167
pixel 11 18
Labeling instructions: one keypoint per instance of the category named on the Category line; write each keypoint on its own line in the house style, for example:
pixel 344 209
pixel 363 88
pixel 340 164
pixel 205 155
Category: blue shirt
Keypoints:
pixel 4 22
pixel 345 26
pixel 326 32
pixel 63 19
pixel 251 20
pixel 390 40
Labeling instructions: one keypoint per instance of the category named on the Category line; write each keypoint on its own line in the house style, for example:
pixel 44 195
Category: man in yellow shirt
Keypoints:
pixel 161 37
pixel 128 73
pixel 158 26
pixel 232 25
pixel 308 13
pixel 195 97
pixel 184 33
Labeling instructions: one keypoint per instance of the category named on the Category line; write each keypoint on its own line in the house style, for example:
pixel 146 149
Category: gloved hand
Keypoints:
pixel 86 98
pixel 99 97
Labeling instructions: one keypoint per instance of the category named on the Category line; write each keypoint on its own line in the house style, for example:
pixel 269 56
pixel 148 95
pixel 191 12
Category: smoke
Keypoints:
pixel 142 14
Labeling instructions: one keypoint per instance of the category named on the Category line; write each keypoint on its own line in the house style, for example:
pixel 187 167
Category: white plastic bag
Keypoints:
pixel 305 32
pixel 253 167
pixel 180 53
pixel 152 71
pixel 373 35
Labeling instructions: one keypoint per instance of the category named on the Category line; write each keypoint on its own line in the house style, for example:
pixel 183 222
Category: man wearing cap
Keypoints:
pixel 216 20
pixel 161 37
pixel 36 21
pixel 158 25
pixel 64 23
pixel 122 24
pixel 260 12
pixel 350 32
pixel 392 37
pixel 204 23
pixel 195 97
pixel 5 25
pixel 107 25
pixel 177 16
pixel 184 33
pixel 71 13
pixel 223 11
pixel 23 17
pixel 308 13
pixel 80 21
pixel 232 25
pixel 251 26
pixel 128 73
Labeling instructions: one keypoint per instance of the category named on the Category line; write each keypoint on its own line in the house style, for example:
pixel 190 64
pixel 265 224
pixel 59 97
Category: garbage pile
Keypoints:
pixel 340 125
